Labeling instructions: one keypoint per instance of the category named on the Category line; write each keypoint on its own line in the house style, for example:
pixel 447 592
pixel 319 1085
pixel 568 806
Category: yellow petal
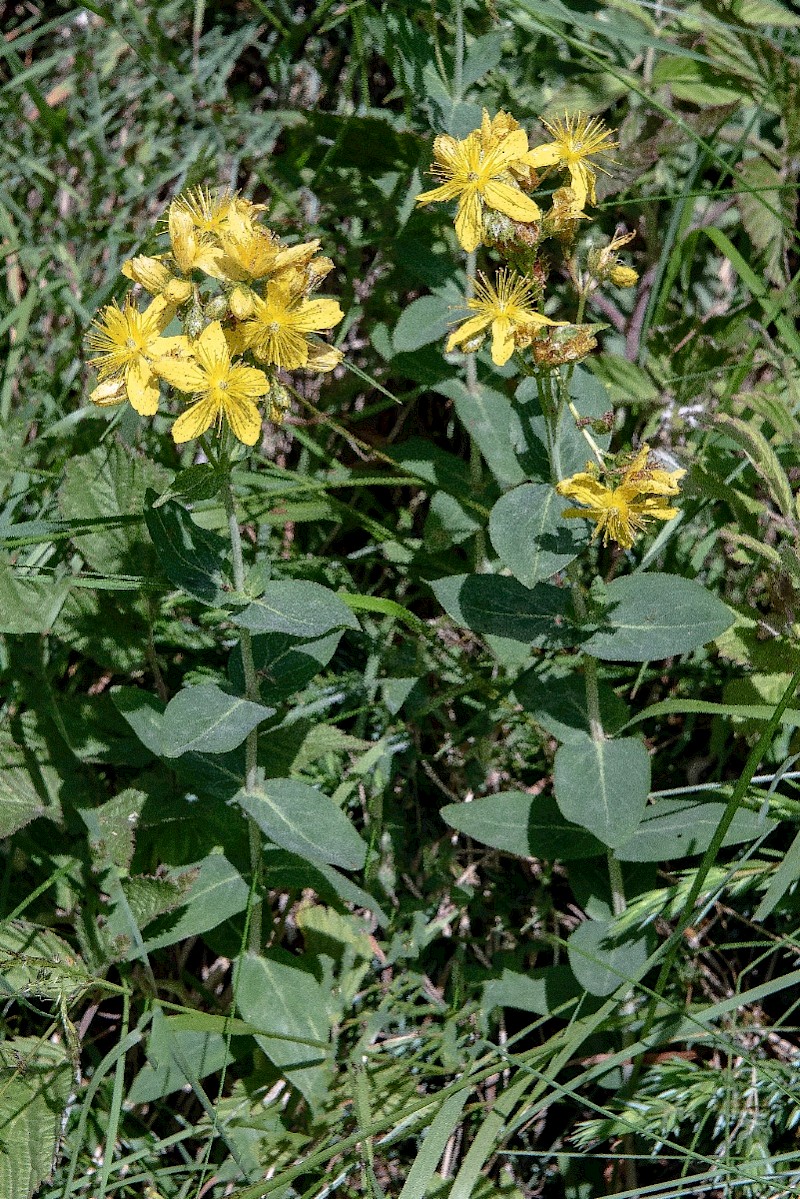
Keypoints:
pixel 248 381
pixel 323 358
pixel 183 374
pixel 149 272
pixel 586 489
pixel 211 345
pixel 502 340
pixel 469 223
pixel 315 315
pixel 244 418
pixel 582 184
pixel 194 421
pixel 512 148
pixel 241 302
pixel 447 191
pixel 107 394
pixel 511 201
pixel 142 387
pixel 470 328
pixel 543 156
pixel 446 150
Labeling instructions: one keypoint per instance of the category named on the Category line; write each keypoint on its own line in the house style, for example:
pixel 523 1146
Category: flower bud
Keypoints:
pixel 217 308
pixel 624 276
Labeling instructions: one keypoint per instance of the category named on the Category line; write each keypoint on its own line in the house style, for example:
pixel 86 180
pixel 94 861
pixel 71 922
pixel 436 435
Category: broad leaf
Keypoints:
pixel 502 606
pixel 29 605
pixel 36 1078
pixel 540 990
pixel 522 824
pixel 171 1051
pixel 602 963
pixel 305 821
pixel 603 785
pixel 193 559
pixel 651 616
pixel 301 609
pixel 34 962
pixel 679 828
pixel 289 1003
pixel 487 416
pixel 558 703
pixel 218 893
pixel 208 720
pixel 530 535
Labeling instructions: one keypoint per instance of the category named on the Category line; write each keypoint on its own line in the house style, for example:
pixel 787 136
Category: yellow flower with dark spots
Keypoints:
pixel 223 388
pixel 623 511
pixel 125 342
pixel 577 141
pixel 506 308
pixel 480 179
pixel 278 330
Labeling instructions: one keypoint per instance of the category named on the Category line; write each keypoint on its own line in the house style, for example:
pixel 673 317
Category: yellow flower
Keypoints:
pixel 622 511
pixel 211 210
pixel 478 179
pixel 576 140
pixel 223 388
pixel 126 341
pixel 156 277
pixel 192 249
pixel 507 308
pixel 278 330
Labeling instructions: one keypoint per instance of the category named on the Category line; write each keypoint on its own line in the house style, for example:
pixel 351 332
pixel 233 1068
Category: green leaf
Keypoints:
pixel 36 1078
pixel 531 537
pixel 570 449
pixel 208 720
pixel 487 416
pixel 448 523
pixel 200 482
pixel 679 828
pixel 290 1004
pixel 602 963
pixel 558 703
pixel 426 320
pixel 650 616
pixel 168 1047
pixel 522 824
pixel 193 559
pixel 603 785
pixel 29 605
pixel 218 893
pixel 541 990
pixel 35 962
pixel 305 821
pixel 20 802
pixel 502 606
pixel 284 664
pixel 143 712
pixel 301 609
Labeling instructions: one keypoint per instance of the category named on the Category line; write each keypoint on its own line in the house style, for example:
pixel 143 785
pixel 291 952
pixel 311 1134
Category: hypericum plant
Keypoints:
pixel 245 303
pixel 559 416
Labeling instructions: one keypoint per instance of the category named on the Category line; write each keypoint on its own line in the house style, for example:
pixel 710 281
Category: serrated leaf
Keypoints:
pixel 305 821
pixel 522 824
pixel 530 535
pixel 36 1078
pixel 651 616
pixel 35 962
pixel 29 605
pixel 603 785
pixel 298 608
pixel 503 607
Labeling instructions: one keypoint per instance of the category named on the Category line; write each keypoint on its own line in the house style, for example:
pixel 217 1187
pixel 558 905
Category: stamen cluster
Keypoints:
pixel 244 299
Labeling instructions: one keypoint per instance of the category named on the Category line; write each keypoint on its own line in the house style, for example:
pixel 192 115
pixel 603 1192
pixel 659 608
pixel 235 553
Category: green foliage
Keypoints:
pixel 369 827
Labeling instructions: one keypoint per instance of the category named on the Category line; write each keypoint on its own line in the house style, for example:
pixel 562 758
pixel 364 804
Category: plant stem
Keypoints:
pixel 471 381
pixel 458 57
pixel 252 693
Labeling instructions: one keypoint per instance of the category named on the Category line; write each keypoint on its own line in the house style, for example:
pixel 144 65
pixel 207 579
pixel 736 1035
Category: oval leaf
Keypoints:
pixel 301 609
pixel 653 616
pixel 530 535
pixel 304 821
pixel 603 786
pixel 522 824
pixel 502 606
pixel 602 964
pixel 208 720
pixel 679 828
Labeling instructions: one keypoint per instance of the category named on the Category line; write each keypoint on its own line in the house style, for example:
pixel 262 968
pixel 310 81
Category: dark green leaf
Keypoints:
pixel 301 609
pixel 304 821
pixel 193 559
pixel 531 537
pixel 679 828
pixel 502 606
pixel 601 963
pixel 558 703
pixel 522 824
pixel 208 720
pixel 650 616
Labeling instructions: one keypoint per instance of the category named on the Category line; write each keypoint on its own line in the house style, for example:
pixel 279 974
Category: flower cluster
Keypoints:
pixel 490 174
pixel 244 299
pixel 620 511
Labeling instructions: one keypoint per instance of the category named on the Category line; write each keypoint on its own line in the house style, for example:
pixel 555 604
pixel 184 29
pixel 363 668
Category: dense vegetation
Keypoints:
pixel 369 826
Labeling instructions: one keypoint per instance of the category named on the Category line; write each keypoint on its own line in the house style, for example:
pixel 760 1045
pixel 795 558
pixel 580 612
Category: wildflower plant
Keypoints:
pixel 572 511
